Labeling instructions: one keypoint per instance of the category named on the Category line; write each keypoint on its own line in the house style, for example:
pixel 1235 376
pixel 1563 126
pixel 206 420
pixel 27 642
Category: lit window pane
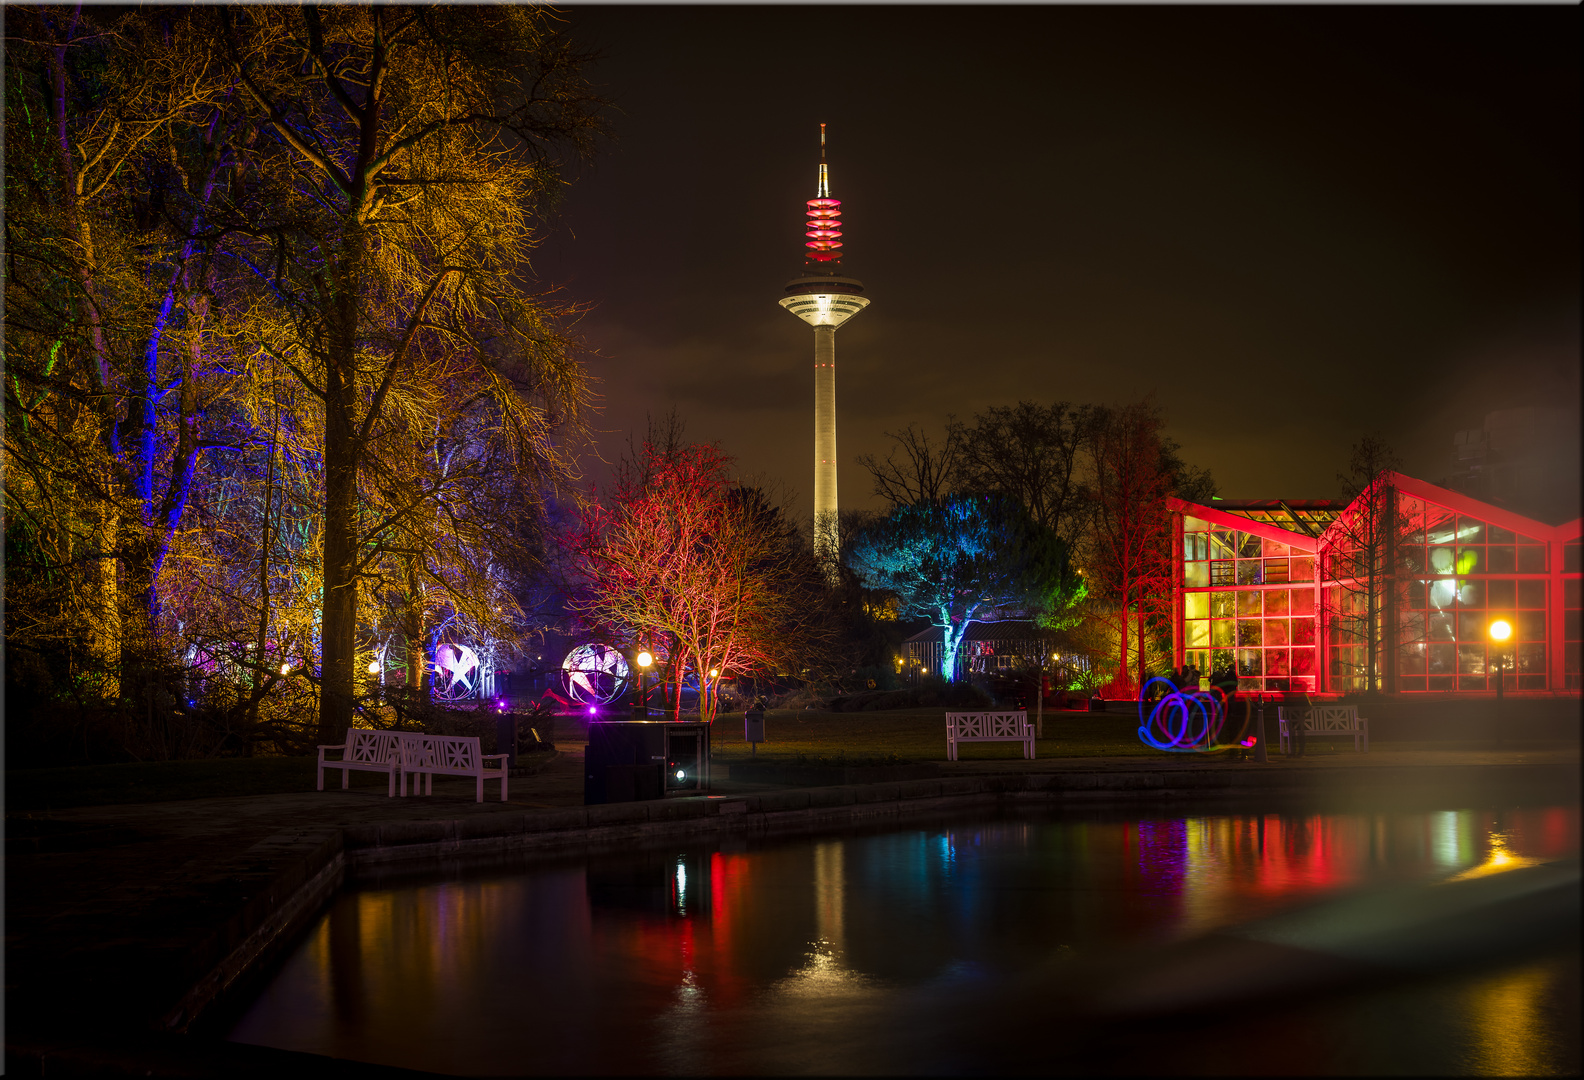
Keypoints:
pixel 1531 658
pixel 1221 633
pixel 1303 631
pixel 1223 605
pixel 1276 662
pixel 1412 624
pixel 1443 659
pixel 1276 632
pixel 1248 632
pixel 1196 605
pixel 1413 660
pixel 1531 626
pixel 1301 601
pixel 1301 568
pixel 1196 575
pixel 1303 662
pixel 1276 602
pixel 1198 633
pixel 1471 659
pixel 1248 603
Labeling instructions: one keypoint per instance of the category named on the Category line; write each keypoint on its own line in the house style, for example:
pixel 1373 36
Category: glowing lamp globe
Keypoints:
pixel 1501 630
pixel 644 659
pixel 285 669
pixel 373 667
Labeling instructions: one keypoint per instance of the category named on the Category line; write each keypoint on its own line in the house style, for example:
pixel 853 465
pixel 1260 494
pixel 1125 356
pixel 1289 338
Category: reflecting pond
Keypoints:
pixel 892 951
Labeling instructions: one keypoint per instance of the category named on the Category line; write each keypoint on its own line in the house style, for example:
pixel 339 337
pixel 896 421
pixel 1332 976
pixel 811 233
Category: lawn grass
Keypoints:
pixel 902 734
pixel 908 734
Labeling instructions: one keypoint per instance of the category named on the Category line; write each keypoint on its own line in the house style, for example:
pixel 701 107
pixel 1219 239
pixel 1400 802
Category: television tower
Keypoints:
pixel 825 298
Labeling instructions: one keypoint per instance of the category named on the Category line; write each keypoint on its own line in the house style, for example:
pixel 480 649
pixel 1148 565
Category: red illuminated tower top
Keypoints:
pixel 824 224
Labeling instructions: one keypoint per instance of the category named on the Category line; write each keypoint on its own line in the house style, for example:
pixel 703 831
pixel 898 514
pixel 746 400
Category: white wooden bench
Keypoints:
pixel 365 751
pixel 964 727
pixel 1322 720
pixel 423 756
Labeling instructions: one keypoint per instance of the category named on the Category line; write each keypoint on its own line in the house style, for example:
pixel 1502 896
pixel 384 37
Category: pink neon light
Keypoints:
pixel 824 230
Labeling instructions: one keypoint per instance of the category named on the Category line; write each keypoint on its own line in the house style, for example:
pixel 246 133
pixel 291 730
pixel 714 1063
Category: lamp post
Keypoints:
pixel 641 706
pixel 1500 631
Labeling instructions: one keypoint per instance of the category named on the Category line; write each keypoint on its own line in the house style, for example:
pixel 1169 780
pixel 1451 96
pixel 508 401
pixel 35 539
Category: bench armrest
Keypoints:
pixel 337 746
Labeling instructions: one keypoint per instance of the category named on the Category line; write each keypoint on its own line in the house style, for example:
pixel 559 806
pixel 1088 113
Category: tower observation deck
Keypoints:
pixel 824 298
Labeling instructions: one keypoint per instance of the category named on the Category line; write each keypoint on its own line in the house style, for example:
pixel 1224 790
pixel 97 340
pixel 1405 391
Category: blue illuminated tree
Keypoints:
pixel 960 558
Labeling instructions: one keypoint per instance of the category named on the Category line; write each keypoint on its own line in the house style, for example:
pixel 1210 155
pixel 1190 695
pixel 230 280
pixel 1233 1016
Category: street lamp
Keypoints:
pixel 641 707
pixel 1500 631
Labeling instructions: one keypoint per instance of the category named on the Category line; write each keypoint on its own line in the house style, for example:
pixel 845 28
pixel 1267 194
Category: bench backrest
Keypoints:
pixel 372 747
pixel 987 725
pixel 1322 717
pixel 446 753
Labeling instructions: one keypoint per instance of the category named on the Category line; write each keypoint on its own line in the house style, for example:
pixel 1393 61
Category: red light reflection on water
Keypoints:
pixel 402 975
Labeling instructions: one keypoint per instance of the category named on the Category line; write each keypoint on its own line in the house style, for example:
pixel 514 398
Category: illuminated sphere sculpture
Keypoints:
pixel 456 672
pixel 824 298
pixel 595 674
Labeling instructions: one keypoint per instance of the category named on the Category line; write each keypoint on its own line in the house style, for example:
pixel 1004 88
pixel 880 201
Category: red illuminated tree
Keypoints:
pixel 1129 556
pixel 706 574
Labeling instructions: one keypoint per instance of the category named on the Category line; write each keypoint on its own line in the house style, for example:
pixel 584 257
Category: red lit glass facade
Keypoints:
pixel 1399 587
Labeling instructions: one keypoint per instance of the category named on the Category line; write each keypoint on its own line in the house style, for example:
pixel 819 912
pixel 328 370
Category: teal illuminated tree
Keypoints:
pixel 962 558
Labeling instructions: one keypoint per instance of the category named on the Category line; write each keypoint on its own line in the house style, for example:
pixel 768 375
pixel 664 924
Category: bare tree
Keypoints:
pixel 922 473
pixel 1129 554
pixel 411 149
pixel 1358 554
pixel 1031 452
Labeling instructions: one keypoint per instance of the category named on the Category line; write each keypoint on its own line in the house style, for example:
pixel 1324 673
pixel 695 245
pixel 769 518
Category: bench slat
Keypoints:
pixel 988 727
pixel 1322 720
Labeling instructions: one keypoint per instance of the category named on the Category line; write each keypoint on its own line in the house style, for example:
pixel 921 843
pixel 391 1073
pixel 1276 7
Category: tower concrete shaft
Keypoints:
pixel 824 439
pixel 824 298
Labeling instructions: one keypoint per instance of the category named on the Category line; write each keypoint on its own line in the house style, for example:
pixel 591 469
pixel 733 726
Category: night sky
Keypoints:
pixel 1291 225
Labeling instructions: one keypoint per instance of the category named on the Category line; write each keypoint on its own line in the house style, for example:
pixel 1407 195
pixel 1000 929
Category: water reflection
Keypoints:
pixel 830 955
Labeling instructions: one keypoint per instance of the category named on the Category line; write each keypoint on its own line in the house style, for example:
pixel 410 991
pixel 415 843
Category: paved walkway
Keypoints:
pixel 114 912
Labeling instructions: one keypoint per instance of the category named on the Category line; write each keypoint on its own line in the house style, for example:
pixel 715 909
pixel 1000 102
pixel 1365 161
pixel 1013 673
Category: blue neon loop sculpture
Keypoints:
pixel 1184 721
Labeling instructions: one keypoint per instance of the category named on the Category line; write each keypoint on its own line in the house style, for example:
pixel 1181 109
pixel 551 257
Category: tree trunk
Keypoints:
pixel 338 627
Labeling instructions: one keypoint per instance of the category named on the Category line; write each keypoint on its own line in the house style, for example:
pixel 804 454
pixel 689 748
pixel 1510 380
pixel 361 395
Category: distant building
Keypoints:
pixel 1281 591
pixel 987 647
pixel 1526 460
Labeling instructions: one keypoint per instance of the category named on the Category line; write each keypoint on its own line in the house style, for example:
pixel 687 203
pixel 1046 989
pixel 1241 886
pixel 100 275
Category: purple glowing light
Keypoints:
pixel 1182 721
